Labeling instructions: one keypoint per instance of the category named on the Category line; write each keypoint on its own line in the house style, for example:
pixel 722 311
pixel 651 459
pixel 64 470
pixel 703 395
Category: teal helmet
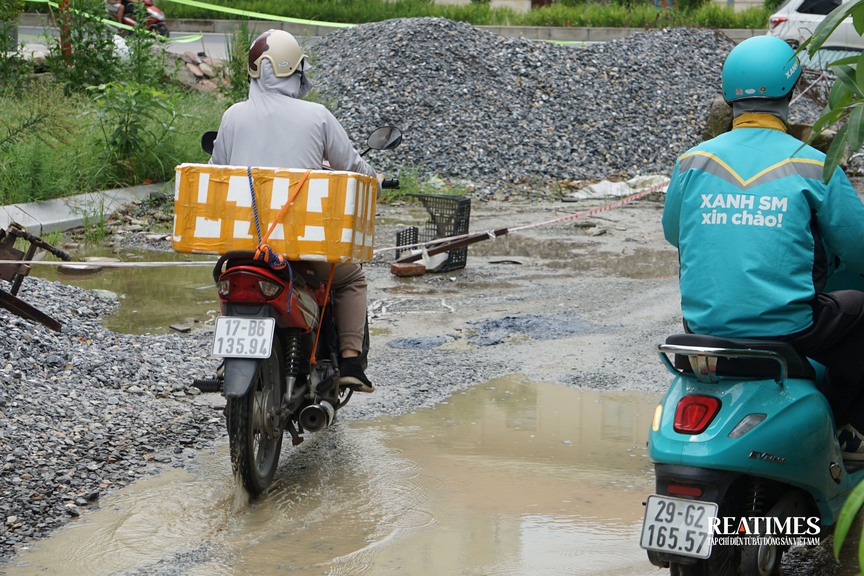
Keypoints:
pixel 760 67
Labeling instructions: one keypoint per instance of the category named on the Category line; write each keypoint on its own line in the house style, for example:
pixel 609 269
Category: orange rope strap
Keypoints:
pixel 264 252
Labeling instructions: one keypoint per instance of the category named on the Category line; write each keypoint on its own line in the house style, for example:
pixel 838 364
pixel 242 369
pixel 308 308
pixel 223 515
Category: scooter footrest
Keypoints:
pixel 208 384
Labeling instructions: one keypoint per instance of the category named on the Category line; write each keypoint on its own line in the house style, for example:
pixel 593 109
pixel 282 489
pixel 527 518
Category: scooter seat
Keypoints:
pixel 245 258
pixel 797 366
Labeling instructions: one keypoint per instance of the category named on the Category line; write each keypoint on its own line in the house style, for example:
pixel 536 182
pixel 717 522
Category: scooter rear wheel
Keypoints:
pixel 721 563
pixel 254 435
pixel 761 560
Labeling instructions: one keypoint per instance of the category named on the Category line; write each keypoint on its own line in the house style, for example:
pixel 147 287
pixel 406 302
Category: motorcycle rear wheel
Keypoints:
pixel 254 436
pixel 761 560
pixel 162 30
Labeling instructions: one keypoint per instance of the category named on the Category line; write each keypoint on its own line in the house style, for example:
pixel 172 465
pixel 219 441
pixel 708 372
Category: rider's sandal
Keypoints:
pixel 351 375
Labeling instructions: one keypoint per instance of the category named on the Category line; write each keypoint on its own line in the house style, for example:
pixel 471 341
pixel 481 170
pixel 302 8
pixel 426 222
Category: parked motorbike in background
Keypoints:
pixel 154 18
pixel 746 458
pixel 276 376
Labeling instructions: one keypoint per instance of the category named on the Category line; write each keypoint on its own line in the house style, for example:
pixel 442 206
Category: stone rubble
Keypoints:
pixel 85 411
pixel 491 113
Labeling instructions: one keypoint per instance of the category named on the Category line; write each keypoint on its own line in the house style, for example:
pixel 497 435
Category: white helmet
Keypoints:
pixel 278 46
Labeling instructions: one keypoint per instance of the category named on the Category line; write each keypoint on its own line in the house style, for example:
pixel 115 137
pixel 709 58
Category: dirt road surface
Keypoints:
pixel 582 302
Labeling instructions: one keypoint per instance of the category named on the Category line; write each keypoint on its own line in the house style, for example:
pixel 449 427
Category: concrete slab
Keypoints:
pixel 64 214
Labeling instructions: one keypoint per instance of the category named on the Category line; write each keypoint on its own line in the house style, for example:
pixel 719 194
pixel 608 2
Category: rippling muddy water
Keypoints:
pixel 151 298
pixel 509 477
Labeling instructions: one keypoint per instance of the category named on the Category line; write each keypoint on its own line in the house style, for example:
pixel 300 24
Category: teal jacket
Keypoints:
pixel 758 231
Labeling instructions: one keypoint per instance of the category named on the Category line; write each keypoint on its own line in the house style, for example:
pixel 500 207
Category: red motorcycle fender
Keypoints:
pixel 238 376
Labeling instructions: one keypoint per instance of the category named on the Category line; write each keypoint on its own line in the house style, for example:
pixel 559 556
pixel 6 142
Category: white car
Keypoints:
pixel 796 20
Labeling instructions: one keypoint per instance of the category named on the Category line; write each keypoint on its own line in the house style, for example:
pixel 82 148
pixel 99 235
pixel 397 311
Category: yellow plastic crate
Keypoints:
pixel 331 219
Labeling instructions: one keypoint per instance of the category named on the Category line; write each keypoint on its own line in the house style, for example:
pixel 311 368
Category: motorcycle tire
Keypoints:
pixel 254 436
pixel 161 30
pixel 761 560
pixel 721 563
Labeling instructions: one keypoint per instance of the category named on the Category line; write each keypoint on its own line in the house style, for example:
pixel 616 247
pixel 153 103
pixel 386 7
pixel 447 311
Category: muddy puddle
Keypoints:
pixel 509 477
pixel 151 298
pixel 636 262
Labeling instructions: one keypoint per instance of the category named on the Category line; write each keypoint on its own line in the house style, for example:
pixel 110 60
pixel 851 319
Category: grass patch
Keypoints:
pixel 411 183
pixel 590 14
pixel 53 146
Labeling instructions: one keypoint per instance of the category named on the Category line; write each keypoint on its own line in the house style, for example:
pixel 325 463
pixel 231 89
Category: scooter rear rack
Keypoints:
pixel 708 357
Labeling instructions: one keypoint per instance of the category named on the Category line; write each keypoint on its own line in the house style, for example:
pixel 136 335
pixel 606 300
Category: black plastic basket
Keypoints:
pixel 448 216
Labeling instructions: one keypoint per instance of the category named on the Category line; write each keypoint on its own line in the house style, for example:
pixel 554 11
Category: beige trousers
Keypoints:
pixel 349 302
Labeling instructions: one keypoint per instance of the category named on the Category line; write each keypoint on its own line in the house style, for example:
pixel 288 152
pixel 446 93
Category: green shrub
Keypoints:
pixel 146 60
pixel 13 67
pixel 10 10
pixel 690 5
pixel 83 54
pixel 50 147
pixel 134 118
pixel 238 63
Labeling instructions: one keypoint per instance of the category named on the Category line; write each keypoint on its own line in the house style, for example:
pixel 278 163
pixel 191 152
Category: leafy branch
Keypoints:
pixel 846 97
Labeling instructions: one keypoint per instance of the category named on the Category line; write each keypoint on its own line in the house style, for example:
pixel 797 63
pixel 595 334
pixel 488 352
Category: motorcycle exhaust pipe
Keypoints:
pixel 317 416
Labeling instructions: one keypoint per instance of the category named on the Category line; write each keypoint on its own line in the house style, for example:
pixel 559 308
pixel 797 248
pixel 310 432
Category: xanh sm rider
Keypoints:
pixel 758 231
pixel 275 127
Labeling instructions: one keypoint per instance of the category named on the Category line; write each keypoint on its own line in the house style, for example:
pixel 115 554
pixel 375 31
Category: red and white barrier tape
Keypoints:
pixel 197 263
pixel 569 218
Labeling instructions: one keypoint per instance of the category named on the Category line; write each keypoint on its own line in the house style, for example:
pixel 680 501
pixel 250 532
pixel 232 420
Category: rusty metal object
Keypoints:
pixel 15 273
pixel 447 245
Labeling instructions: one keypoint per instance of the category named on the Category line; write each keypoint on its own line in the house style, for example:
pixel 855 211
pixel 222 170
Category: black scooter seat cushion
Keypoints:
pixel 798 366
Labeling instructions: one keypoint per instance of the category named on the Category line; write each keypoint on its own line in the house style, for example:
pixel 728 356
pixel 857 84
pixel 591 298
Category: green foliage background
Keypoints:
pixel 595 13
pixel 97 123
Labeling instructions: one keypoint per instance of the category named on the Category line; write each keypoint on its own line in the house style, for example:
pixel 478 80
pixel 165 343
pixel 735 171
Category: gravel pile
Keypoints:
pixel 84 411
pixel 491 111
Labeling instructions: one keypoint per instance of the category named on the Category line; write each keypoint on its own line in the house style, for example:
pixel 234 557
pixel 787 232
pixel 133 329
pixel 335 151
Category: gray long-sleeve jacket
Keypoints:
pixel 275 129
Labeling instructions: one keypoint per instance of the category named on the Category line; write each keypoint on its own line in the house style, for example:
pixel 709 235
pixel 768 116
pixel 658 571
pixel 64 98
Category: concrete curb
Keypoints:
pixel 63 214
pixel 553 33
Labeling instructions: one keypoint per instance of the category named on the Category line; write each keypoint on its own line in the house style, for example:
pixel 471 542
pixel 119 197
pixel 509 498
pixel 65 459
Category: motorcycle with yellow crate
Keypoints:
pixel 279 344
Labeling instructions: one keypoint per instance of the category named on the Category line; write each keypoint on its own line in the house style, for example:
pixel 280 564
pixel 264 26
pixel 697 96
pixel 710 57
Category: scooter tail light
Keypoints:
pixel 694 413
pixel 248 287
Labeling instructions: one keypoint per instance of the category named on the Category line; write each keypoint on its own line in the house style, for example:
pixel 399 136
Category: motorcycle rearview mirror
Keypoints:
pixel 384 138
pixel 207 140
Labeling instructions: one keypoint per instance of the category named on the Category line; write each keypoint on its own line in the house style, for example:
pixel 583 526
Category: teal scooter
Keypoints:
pixel 746 458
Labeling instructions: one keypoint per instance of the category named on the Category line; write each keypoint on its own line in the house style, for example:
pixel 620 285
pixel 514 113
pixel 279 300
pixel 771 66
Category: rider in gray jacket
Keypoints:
pixel 275 128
